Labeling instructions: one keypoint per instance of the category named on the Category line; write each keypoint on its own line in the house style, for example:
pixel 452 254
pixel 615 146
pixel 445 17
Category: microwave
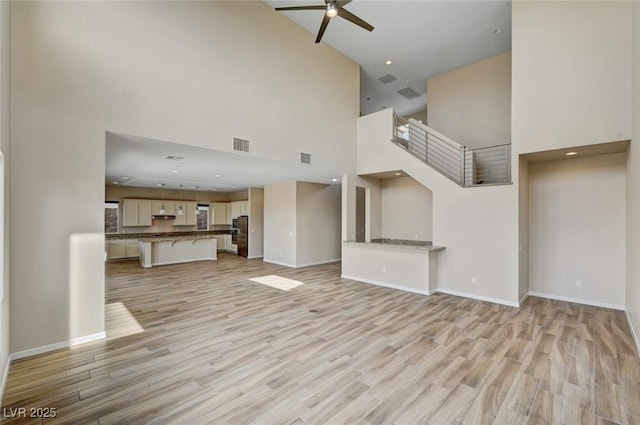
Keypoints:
pixel 234 223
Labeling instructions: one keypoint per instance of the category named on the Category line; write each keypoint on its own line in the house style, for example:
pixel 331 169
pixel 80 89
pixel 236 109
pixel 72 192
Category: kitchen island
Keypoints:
pixel 156 251
pixel 394 263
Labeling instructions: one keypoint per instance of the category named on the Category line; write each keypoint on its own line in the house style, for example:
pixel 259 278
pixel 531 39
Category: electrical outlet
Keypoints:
pixel 474 281
pixel 579 283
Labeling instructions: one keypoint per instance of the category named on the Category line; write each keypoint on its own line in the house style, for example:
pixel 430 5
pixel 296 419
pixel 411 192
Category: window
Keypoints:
pixel 203 217
pixel 111 217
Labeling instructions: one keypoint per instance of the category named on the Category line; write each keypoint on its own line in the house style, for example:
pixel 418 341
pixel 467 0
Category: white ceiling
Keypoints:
pixel 140 162
pixel 422 38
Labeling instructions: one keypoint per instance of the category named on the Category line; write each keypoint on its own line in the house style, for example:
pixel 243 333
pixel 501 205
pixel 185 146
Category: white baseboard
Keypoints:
pixel 633 333
pixel 317 263
pixel 293 266
pixel 576 300
pixel 478 297
pixel 523 299
pixel 58 345
pixel 388 285
pixel 254 257
pixel 278 263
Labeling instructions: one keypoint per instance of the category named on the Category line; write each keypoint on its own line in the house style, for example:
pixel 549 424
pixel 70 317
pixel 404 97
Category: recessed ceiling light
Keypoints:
pixel 218 175
pixel 497 31
pixel 398 174
pixel 388 62
pixel 334 180
pixel 233 186
pixel 114 182
pixel 159 184
pixel 174 171
pixel 571 153
pixel 124 178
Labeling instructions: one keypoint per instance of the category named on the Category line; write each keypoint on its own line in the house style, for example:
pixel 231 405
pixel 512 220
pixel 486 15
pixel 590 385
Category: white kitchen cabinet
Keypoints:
pixel 219 213
pixel 136 213
pixel 228 215
pixel 131 248
pixel 188 218
pixel 169 207
pixel 117 249
pixel 235 209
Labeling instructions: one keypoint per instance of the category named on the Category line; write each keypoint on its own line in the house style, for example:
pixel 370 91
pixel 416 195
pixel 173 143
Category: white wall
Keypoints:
pixel 478 226
pixel 633 191
pixel 571 71
pixel 6 228
pixel 256 222
pixel 318 223
pixel 186 72
pixel 577 228
pixel 472 105
pixel 406 209
pixel 280 217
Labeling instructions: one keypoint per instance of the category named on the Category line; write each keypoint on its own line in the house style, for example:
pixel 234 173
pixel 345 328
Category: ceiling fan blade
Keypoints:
pixel 344 13
pixel 342 3
pixel 302 8
pixel 323 26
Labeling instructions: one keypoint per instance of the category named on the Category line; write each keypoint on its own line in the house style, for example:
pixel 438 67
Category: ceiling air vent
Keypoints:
pixel 240 145
pixel 409 93
pixel 174 158
pixel 387 78
pixel 305 158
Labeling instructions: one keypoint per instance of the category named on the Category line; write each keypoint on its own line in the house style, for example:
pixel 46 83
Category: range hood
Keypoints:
pixel 163 217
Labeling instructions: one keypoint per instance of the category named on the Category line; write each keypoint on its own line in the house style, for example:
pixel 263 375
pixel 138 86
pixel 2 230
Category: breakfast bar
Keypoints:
pixel 399 264
pixel 157 251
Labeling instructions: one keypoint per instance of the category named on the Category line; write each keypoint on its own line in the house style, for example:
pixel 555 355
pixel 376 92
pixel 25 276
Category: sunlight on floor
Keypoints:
pixel 277 282
pixel 120 321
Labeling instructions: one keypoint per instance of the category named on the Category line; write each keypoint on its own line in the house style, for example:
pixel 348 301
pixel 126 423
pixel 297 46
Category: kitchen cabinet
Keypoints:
pixel 219 213
pixel 239 208
pixel 131 248
pixel 188 218
pixel 117 249
pixel 169 207
pixel 136 213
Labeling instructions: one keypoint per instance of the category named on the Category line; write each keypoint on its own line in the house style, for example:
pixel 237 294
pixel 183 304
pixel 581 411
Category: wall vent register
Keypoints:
pixel 240 145
pixel 305 158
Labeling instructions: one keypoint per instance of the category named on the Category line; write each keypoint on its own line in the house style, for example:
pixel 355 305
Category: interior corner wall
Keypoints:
pixel 256 222
pixel 6 151
pixel 373 207
pixel 158 70
pixel 523 229
pixel 577 229
pixel 280 223
pixel 571 71
pixel 633 192
pixel 407 209
pixel 472 105
pixel 318 223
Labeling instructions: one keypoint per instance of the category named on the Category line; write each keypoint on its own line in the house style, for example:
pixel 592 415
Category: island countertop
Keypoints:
pixel 398 244
pixel 176 238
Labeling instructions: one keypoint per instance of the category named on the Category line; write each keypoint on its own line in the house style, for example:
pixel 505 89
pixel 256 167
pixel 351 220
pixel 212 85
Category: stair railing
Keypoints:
pixel 465 166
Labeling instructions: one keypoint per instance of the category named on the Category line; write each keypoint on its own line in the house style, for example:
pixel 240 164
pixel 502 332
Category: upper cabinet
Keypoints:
pixel 170 207
pixel 239 208
pixel 136 213
pixel 219 213
pixel 188 218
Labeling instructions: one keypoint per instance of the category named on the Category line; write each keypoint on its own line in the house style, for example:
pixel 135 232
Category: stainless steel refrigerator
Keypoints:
pixel 243 236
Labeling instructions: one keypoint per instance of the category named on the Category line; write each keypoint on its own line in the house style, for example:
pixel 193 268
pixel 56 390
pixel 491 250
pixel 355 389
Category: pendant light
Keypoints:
pixel 195 212
pixel 162 210
pixel 180 209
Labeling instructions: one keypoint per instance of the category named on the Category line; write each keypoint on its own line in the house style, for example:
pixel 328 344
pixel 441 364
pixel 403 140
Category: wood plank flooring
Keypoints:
pixel 200 343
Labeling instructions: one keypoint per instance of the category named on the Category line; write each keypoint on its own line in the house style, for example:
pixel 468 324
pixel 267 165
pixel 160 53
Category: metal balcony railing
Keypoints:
pixel 467 167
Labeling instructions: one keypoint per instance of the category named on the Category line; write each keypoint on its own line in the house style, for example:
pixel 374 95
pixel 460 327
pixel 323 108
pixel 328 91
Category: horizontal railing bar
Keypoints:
pixel 452 161
pixel 489 147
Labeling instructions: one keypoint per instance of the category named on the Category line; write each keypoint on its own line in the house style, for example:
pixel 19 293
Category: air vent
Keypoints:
pixel 240 145
pixel 387 78
pixel 305 158
pixel 174 158
pixel 409 93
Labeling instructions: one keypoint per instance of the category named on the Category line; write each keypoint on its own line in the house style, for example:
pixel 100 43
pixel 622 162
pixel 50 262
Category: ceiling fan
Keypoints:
pixel 332 9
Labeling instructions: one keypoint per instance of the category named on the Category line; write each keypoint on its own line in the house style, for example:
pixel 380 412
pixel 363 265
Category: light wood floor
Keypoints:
pixel 214 347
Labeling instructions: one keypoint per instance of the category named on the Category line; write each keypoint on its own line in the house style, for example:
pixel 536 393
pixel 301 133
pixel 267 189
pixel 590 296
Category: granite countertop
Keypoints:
pixel 171 235
pixel 170 238
pixel 399 244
